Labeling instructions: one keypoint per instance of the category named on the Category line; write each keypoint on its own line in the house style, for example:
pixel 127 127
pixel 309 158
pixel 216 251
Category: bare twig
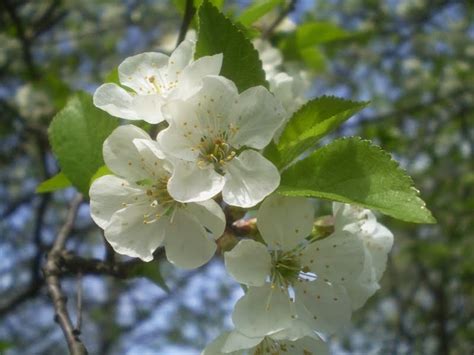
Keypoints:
pixel 79 304
pixel 189 11
pixel 286 11
pixel 52 271
pixel 31 291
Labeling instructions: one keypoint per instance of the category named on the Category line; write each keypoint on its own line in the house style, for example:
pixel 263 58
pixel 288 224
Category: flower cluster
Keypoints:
pixel 162 189
pixel 301 285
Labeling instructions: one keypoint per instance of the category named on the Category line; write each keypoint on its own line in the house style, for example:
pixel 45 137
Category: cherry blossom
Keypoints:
pixel 137 213
pixel 152 79
pixel 214 138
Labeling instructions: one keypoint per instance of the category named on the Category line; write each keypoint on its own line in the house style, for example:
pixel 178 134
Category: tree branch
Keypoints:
pixel 189 11
pixel 52 271
pixel 286 11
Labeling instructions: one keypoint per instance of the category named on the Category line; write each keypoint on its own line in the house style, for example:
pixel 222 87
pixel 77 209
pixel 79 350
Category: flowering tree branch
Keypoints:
pixel 52 270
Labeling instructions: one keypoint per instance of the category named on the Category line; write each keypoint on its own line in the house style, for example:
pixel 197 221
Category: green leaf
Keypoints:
pixel 313 33
pixel 152 272
pixel 352 170
pixel 103 170
pixel 57 182
pixel 181 4
pixel 311 122
pixel 4 346
pixel 217 34
pixel 314 58
pixel 255 11
pixel 76 135
pixel 113 77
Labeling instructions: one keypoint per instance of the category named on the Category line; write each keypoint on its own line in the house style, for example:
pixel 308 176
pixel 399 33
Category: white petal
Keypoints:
pixel 237 341
pixel 249 179
pixel 298 329
pixel 135 71
pixel 353 219
pixel 148 107
pixel 256 116
pixel 328 307
pixel 285 221
pixel 129 235
pixel 116 101
pixel 262 311
pixel 210 215
pixel 363 287
pixel 215 347
pixel 190 183
pixel 149 149
pixel 337 258
pixel 191 78
pixel 181 56
pixel 306 346
pixel 121 155
pixel 379 245
pixel 186 241
pixel 213 103
pixel 108 194
pixel 248 263
pixel 182 138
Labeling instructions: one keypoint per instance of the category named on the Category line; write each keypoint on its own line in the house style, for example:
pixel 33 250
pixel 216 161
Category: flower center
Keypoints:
pixel 269 346
pixel 286 268
pixel 216 152
pixel 158 196
pixel 157 193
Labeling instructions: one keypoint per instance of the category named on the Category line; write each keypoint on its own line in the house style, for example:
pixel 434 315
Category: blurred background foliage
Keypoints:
pixel 413 59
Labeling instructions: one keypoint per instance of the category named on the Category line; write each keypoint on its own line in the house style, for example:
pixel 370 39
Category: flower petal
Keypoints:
pixel 298 329
pixel 181 56
pixel 121 155
pixel 189 183
pixel 285 221
pixel 237 341
pixel 210 215
pixel 249 179
pixel 108 194
pixel 135 71
pixel 263 311
pixel 215 347
pixel 192 76
pixel 248 263
pixel 337 258
pixel 116 101
pixel 186 241
pixel 148 107
pixel 379 245
pixel 129 235
pixel 182 138
pixel 255 117
pixel 364 286
pixel 213 102
pixel 326 308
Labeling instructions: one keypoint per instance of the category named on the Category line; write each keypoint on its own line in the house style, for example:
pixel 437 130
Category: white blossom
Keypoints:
pixel 136 211
pixel 153 79
pixel 270 56
pixel 293 283
pixel 377 241
pixel 33 102
pixel 235 343
pixel 288 87
pixel 209 137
